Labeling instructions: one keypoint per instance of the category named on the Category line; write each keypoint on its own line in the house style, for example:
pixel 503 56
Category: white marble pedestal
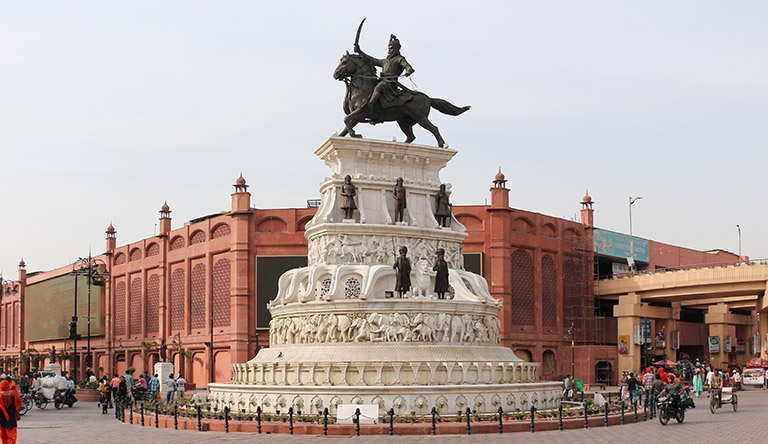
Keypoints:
pixel 163 370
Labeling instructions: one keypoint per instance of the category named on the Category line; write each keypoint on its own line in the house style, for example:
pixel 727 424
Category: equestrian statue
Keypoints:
pixel 375 99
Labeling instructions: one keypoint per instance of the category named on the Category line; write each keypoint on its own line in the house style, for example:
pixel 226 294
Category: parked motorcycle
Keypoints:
pixel 62 398
pixel 668 410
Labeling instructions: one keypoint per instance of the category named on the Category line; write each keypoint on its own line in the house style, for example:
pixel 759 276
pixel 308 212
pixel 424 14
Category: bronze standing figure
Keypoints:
pixel 163 351
pixel 399 194
pixel 403 267
pixel 443 211
pixel 441 278
pixel 373 99
pixel 348 192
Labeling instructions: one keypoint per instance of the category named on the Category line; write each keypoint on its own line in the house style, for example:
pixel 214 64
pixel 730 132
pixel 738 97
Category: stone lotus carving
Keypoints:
pixel 385 327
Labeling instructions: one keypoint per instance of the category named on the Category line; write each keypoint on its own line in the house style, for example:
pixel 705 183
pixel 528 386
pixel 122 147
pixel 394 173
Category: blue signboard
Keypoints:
pixel 612 244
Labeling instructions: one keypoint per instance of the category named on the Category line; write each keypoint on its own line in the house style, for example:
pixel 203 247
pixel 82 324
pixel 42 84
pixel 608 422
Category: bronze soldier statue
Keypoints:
pixel 443 211
pixel 403 267
pixel 163 351
pixel 374 99
pixel 348 192
pixel 53 354
pixel 441 278
pixel 388 90
pixel 399 194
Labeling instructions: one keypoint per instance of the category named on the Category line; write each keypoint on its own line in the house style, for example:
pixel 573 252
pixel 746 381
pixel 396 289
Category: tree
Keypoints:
pixel 147 348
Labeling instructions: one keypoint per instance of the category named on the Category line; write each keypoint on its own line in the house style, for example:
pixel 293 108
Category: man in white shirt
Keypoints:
pixel 170 385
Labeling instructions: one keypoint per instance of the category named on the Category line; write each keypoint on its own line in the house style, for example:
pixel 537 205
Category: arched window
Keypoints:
pixel 548 363
pixel 522 288
pixel 548 291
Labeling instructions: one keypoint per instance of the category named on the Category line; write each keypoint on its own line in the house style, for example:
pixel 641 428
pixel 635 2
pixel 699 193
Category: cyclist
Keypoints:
pixel 716 386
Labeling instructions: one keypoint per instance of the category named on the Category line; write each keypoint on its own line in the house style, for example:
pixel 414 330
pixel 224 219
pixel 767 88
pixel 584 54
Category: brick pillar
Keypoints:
pixel 500 252
pixel 242 317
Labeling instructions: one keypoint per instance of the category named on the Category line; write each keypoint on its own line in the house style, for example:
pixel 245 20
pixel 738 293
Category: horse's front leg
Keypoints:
pixel 349 122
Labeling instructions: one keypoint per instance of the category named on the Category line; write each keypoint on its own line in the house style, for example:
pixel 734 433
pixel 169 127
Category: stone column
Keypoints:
pixel 240 250
pixel 629 311
pixel 719 318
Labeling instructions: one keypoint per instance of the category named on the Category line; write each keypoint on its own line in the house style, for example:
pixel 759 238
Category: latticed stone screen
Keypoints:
pixel 548 291
pixel 153 250
pixel 221 293
pixel 120 259
pixel 177 242
pixel 177 300
pixel 135 325
pixel 120 309
pixel 135 254
pixel 153 304
pixel 197 296
pixel 222 230
pixel 522 288
pixel 197 238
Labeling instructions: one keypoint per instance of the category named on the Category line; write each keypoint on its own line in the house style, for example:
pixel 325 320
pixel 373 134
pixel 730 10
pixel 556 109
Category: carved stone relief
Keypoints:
pixel 385 327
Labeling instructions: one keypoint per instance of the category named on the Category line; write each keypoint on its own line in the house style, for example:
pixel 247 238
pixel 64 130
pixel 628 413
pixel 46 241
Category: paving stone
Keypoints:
pixel 84 423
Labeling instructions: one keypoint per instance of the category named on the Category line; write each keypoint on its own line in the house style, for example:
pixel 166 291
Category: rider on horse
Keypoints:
pixel 386 91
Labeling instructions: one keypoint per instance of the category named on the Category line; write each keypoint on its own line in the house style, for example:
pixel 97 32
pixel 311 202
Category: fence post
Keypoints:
pixel 434 415
pixel 325 421
pixel 607 407
pixel 130 407
pixel 469 421
pixel 533 415
pixel 357 422
pixel 586 417
pixel 560 419
pixel 226 419
pixel 176 416
pixel 635 407
pixel 391 422
pixel 157 415
pixel 645 409
pixel 501 425
pixel 622 412
pixel 290 420
pixel 142 414
pixel 199 419
pixel 258 418
pixel 122 412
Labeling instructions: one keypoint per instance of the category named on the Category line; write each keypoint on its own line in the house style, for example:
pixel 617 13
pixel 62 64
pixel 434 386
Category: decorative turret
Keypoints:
pixel 587 213
pixel 499 192
pixel 165 219
pixel 22 265
pixel 241 198
pixel 111 238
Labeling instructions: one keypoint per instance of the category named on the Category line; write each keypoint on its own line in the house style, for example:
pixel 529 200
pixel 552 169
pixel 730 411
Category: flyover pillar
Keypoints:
pixel 719 318
pixel 628 312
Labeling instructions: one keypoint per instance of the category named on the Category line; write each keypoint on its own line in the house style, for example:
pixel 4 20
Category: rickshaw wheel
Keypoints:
pixel 735 402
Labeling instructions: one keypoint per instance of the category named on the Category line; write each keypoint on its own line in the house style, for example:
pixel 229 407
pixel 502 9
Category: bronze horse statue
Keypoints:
pixel 360 78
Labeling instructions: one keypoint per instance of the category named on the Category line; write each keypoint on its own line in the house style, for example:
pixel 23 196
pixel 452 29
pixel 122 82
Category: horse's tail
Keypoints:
pixel 446 107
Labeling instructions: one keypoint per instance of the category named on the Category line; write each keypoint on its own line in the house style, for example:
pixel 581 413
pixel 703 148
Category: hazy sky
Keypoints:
pixel 109 108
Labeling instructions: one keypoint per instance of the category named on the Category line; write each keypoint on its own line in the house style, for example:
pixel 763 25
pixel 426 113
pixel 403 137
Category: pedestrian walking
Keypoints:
pixel 698 385
pixel 9 413
pixel 154 387
pixel 115 383
pixel 170 385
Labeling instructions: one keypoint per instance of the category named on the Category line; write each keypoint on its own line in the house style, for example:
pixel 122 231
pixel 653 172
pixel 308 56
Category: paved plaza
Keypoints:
pixel 85 424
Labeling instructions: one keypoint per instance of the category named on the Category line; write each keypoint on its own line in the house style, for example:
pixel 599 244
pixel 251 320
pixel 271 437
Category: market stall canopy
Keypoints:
pixel 665 363
pixel 757 363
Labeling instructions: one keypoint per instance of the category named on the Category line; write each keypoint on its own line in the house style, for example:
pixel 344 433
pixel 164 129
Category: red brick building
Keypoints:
pixel 210 280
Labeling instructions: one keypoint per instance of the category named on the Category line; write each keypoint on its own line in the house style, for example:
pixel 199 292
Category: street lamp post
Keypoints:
pixel 569 334
pixel 631 240
pixel 739 229
pixel 89 268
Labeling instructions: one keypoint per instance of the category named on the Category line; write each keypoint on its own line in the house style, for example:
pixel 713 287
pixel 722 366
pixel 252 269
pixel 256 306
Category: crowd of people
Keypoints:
pixel 125 390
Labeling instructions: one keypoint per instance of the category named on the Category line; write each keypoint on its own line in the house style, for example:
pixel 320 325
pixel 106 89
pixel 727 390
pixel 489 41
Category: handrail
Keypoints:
pixel 686 268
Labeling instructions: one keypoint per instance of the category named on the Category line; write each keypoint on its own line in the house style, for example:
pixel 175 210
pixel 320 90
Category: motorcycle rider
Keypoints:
pixel 674 389
pixel 656 388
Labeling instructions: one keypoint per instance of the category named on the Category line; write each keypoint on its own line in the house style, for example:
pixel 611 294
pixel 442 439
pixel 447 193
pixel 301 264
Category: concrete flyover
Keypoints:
pixel 718 289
